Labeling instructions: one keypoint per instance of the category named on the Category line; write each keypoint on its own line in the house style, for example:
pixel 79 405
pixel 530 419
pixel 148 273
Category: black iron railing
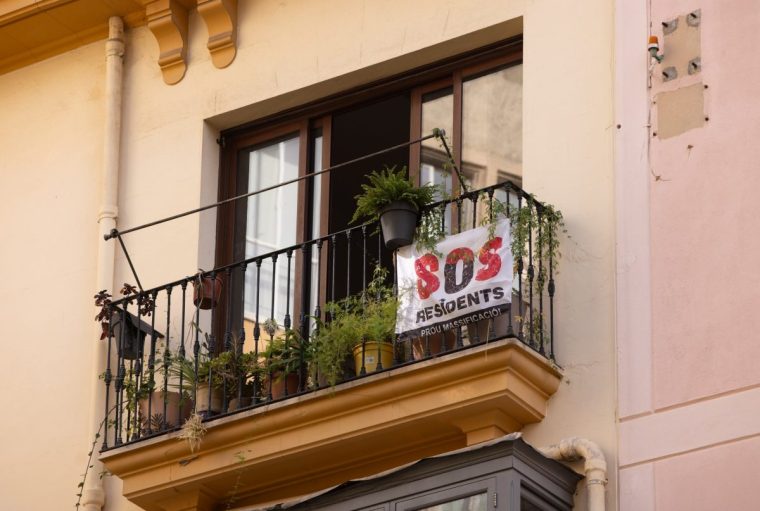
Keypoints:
pixel 168 353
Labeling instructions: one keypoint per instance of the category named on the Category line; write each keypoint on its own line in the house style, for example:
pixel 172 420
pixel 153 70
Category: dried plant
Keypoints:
pixel 193 431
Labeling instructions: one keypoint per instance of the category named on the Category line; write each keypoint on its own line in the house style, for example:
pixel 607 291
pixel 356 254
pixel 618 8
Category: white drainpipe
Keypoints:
pixel 574 449
pixel 93 497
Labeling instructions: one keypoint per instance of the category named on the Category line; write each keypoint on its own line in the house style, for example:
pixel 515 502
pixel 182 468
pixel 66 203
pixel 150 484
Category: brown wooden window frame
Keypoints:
pixel 305 120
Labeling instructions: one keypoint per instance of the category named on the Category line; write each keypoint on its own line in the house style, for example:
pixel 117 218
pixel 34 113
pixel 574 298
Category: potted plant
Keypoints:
pixel 285 359
pixel 362 326
pixel 208 382
pixel 207 290
pixel 392 198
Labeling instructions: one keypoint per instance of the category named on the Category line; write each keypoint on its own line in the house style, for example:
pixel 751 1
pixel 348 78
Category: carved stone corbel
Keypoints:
pixel 220 17
pixel 167 20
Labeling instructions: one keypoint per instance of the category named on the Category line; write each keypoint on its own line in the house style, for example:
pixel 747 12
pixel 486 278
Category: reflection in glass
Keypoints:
pixel 492 127
pixel 471 503
pixel 271 225
pixel 437 112
pixel 315 218
pixel 491 133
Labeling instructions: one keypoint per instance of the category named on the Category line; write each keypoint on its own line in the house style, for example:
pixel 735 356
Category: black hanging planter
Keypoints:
pixel 398 221
pixel 131 342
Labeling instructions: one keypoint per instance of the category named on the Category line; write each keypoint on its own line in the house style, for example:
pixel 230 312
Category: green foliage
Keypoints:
pixel 535 226
pixel 370 316
pixel 387 186
pixel 430 230
pixel 287 354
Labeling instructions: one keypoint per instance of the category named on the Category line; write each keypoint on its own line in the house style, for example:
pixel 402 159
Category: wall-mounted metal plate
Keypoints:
pixel 681 46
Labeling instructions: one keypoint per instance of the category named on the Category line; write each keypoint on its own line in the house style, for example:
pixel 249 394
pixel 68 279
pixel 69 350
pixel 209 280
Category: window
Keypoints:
pixel 476 98
pixel 507 476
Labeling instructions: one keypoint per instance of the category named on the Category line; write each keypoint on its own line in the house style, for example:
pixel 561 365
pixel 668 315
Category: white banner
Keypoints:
pixel 468 281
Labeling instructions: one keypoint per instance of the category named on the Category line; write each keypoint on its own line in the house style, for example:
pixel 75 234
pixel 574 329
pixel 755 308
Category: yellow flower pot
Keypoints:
pixel 370 356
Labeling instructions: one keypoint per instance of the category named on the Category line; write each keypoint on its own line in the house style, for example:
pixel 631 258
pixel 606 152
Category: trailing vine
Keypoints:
pixel 536 226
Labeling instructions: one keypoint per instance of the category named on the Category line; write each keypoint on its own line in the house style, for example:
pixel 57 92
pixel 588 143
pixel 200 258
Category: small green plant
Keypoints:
pixel 370 316
pixel 287 354
pixel 535 230
pixel 387 186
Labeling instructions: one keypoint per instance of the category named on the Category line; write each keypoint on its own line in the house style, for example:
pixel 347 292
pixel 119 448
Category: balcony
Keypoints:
pixel 271 436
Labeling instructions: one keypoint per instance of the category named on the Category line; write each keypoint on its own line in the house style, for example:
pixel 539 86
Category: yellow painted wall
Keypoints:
pixel 51 129
pixel 288 53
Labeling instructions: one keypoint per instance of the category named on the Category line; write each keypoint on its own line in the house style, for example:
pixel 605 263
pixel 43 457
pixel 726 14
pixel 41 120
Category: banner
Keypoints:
pixel 468 280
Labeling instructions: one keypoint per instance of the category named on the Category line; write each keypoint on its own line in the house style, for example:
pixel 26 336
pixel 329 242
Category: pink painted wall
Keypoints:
pixel 705 242
pixel 688 287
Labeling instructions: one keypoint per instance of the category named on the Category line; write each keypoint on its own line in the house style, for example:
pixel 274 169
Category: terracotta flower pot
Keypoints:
pixel 206 294
pixel 202 395
pixel 435 343
pixel 281 383
pixel 156 412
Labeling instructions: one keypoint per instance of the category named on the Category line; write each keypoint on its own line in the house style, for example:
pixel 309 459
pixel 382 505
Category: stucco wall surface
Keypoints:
pixel 50 150
pixel 689 425
pixel 703 216
pixel 288 53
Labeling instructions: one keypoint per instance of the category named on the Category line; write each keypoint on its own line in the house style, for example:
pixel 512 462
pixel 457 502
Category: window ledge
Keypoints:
pixel 317 440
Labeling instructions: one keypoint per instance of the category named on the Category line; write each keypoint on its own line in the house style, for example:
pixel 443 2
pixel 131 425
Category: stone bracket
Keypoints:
pixel 220 17
pixel 167 20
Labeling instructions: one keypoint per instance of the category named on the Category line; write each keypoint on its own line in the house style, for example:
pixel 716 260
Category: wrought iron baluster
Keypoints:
pixel 257 332
pixel 167 351
pixel 317 308
pixel 520 267
pixel 459 229
pixel 550 289
pixel 120 375
pixel 242 378
pixel 107 378
pixel 348 263
pixel 181 355
pixel 531 324
pixel 541 282
pixel 196 354
pixel 152 360
pixel 228 338
pixel 211 339
pixel 137 374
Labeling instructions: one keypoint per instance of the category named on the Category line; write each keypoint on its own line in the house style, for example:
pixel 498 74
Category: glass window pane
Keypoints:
pixel 315 225
pixel 270 226
pixel 437 112
pixel 471 503
pixel 492 127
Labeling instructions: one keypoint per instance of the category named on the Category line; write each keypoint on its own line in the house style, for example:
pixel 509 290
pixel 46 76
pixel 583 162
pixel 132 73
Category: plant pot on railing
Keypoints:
pixel 398 220
pixel 207 291
pixel 368 353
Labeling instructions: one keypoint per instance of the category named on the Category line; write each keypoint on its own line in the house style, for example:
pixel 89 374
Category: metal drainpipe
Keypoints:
pixel 93 497
pixel 573 449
